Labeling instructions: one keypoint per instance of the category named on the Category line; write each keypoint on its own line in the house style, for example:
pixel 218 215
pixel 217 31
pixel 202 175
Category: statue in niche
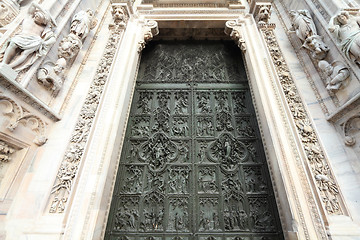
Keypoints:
pixel 33 41
pixel 302 24
pixel 336 73
pixel 346 30
pixel 82 23
pixel 52 75
pixel 304 27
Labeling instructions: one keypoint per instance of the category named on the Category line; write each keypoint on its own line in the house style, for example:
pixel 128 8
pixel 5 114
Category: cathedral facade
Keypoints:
pixel 164 119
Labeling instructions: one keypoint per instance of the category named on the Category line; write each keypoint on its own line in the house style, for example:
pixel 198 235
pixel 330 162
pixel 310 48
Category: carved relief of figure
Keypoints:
pixel 346 30
pixel 33 41
pixel 316 46
pixel 264 14
pixel 302 24
pixel 82 23
pixel 304 27
pixel 52 75
pixel 336 73
pixel 69 46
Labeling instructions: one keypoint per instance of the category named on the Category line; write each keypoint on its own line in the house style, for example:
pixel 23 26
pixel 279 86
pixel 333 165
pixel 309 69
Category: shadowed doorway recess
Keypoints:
pixel 192 164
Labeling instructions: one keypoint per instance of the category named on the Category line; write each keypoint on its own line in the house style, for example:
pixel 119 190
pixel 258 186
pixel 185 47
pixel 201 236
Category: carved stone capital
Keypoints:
pixel 233 29
pixel 150 29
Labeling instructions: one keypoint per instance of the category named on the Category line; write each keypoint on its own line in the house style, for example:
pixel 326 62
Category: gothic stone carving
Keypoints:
pixel 9 9
pixel 336 73
pixel 329 191
pixel 33 41
pixel 233 29
pixel 303 25
pixel 5 152
pixel 17 115
pixel 345 28
pixel 51 75
pixel 69 167
pixel 150 29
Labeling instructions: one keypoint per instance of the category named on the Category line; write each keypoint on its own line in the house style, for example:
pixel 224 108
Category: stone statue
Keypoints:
pixel 316 46
pixel 69 46
pixel 336 73
pixel 304 27
pixel 33 41
pixel 52 75
pixel 302 24
pixel 346 30
pixel 82 23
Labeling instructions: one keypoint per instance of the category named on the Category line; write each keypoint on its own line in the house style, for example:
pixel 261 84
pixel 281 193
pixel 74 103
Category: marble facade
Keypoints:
pixel 60 147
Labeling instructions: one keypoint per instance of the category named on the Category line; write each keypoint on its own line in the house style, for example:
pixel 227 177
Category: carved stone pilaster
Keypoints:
pixel 69 167
pixel 150 29
pixel 17 115
pixel 233 29
pixel 323 177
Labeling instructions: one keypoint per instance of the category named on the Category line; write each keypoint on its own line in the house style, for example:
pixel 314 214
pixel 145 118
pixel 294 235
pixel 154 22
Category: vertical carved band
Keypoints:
pixel 70 164
pixel 321 171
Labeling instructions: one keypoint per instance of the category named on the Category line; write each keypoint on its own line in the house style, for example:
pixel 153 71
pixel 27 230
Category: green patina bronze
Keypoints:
pixel 192 164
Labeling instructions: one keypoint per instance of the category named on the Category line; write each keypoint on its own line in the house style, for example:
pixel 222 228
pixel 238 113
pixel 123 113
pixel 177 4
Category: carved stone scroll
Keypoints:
pixel 150 29
pixel 17 115
pixel 233 29
pixel 69 167
pixel 321 171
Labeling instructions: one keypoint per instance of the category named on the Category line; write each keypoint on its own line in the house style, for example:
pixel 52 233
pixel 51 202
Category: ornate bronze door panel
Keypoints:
pixel 192 164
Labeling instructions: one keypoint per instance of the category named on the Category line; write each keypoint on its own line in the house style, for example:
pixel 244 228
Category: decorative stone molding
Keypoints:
pixel 233 29
pixel 150 29
pixel 52 75
pixel 322 175
pixel 17 115
pixel 9 9
pixel 70 164
pixel 5 152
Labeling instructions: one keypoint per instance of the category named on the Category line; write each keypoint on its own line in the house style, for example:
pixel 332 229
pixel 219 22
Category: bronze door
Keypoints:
pixel 192 164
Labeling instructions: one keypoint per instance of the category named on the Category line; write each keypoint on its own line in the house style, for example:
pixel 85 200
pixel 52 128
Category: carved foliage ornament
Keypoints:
pixel 150 29
pixel 69 167
pixel 5 152
pixel 323 176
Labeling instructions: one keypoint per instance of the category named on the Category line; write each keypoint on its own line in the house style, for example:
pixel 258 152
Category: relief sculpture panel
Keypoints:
pixel 192 165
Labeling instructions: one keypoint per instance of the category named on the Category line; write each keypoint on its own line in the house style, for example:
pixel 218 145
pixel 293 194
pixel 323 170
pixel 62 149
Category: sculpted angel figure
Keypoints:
pixel 33 41
pixel 346 30
pixel 302 24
